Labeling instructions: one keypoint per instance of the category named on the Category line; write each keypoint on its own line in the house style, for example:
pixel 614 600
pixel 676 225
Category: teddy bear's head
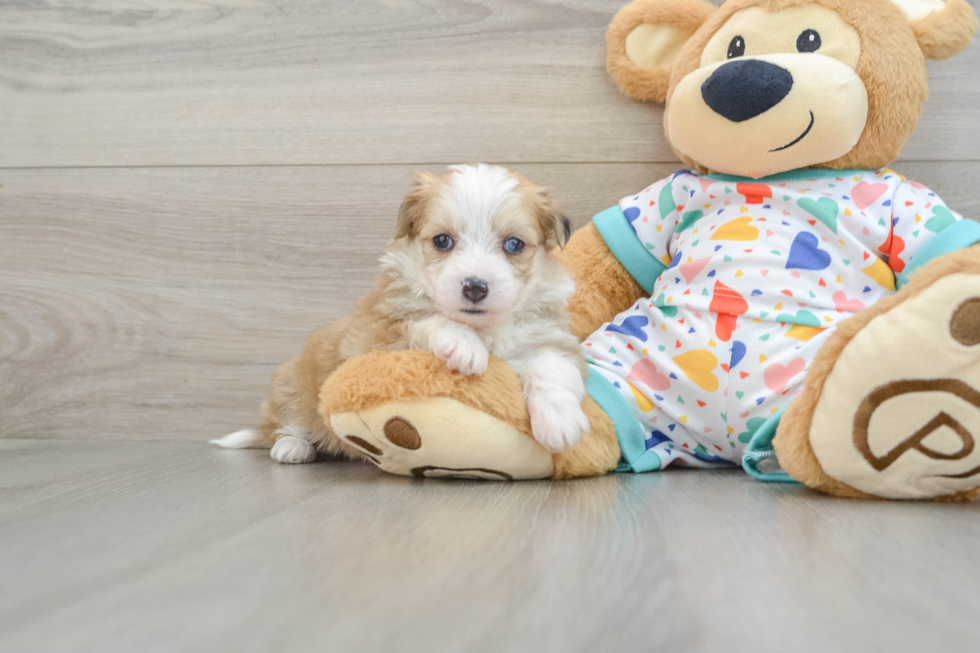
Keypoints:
pixel 758 87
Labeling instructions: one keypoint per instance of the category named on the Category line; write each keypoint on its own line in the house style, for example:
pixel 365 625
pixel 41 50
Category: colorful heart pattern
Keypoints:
pixel 753 279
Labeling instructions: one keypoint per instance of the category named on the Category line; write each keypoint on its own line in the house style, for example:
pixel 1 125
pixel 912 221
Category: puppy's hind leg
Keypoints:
pixel 288 416
pixel 293 446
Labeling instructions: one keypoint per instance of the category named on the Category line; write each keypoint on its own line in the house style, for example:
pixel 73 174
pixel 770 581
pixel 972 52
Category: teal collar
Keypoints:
pixel 791 175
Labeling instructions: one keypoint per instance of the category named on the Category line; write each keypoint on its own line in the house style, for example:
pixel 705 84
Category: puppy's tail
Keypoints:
pixel 244 439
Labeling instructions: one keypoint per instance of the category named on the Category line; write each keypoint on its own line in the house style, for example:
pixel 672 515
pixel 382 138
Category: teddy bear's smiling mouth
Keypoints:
pixel 798 138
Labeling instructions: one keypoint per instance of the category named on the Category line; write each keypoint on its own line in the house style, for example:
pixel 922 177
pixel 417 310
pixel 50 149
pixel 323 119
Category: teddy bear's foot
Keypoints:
pixel 891 407
pixel 459 441
pixel 412 416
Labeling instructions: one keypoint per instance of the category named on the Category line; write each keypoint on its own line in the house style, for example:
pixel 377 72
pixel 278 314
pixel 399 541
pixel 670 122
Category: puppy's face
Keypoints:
pixel 480 236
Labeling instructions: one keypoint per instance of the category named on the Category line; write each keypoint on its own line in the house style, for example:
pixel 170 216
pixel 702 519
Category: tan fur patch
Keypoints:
pixel 414 207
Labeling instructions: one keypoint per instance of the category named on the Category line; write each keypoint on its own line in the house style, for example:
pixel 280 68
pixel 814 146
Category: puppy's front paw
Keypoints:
pixel 462 351
pixel 557 420
pixel 288 449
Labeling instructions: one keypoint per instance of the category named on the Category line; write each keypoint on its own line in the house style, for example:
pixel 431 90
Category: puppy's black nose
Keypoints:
pixel 740 90
pixel 475 289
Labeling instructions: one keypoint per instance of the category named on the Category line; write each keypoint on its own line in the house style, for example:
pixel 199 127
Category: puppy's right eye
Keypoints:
pixel 443 242
pixel 736 48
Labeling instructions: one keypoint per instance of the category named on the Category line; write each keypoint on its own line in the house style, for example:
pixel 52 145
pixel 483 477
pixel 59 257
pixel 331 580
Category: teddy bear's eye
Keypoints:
pixel 809 41
pixel 736 48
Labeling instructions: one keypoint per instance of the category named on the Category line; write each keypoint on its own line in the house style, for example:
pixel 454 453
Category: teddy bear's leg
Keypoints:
pixel 412 416
pixel 891 406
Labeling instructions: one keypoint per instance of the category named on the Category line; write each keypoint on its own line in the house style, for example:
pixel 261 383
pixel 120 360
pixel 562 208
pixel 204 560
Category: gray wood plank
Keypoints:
pixel 177 546
pixel 263 82
pixel 155 303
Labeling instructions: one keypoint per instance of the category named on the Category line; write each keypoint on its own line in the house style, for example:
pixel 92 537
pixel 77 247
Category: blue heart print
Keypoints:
pixel 632 213
pixel 631 326
pixel 738 353
pixel 657 437
pixel 805 254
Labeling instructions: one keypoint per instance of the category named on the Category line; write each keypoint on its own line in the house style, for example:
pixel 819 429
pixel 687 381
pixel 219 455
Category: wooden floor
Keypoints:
pixel 176 546
pixel 187 188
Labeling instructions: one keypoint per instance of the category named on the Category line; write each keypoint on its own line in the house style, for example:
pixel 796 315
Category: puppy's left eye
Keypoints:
pixel 808 41
pixel 513 245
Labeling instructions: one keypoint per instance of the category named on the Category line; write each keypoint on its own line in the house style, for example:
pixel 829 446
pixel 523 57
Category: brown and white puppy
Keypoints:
pixel 470 273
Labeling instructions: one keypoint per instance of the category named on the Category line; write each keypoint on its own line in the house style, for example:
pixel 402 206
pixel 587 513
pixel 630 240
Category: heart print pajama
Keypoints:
pixel 758 274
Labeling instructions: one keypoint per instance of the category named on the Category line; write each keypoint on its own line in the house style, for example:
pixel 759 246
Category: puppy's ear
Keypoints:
pixel 943 29
pixel 555 226
pixel 413 207
pixel 645 39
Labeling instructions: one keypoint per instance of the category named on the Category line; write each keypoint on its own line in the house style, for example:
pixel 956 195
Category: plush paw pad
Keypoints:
pixel 899 416
pixel 441 437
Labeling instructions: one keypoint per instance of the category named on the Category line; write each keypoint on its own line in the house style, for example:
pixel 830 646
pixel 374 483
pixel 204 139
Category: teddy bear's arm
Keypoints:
pixel 603 287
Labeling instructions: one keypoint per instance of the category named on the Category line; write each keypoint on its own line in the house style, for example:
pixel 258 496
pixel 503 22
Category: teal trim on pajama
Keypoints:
pixel 791 175
pixel 956 236
pixel 621 240
pixel 760 448
pixel 632 439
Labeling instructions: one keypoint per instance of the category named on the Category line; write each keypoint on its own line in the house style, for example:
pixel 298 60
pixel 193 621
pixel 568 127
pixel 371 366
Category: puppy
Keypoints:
pixel 471 272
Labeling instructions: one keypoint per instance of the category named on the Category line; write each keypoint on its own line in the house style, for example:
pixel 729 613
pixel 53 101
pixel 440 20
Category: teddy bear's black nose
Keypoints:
pixel 740 90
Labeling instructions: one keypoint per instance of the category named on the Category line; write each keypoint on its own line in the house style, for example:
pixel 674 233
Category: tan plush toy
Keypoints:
pixel 787 285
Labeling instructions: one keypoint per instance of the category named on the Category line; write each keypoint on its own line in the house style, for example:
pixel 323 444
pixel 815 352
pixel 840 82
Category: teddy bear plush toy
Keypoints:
pixel 787 303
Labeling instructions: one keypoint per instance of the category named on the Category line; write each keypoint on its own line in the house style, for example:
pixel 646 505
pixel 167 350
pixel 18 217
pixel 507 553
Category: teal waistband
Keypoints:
pixel 622 241
pixel 632 439
pixel 760 448
pixel 956 236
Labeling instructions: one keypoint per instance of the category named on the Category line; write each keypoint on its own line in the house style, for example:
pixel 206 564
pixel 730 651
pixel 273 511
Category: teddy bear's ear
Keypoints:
pixel 645 38
pixel 943 28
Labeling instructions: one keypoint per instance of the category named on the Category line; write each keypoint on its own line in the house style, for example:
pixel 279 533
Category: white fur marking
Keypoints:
pixel 460 348
pixel 293 431
pixel 288 449
pixel 478 193
pixel 554 390
pixel 244 439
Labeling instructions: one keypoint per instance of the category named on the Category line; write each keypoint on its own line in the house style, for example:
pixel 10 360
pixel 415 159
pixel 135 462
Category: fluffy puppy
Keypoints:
pixel 469 273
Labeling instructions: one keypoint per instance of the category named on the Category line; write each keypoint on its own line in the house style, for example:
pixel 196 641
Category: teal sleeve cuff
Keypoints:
pixel 632 440
pixel 760 449
pixel 622 241
pixel 956 236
